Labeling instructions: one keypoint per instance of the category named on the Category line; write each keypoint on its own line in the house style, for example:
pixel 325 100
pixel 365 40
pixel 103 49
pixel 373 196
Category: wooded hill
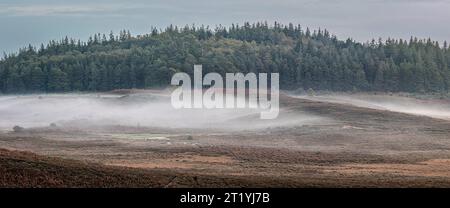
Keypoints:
pixel 305 59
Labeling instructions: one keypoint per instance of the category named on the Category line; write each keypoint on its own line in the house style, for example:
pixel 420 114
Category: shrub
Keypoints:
pixel 311 92
pixel 18 129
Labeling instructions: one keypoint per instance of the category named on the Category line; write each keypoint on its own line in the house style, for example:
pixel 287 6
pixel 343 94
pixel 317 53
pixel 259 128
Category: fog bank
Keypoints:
pixel 145 109
pixel 432 108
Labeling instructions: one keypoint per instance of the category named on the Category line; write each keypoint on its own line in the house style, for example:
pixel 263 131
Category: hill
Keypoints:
pixel 305 59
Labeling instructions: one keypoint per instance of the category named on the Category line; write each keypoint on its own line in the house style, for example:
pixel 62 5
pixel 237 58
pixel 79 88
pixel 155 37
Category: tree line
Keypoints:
pixel 304 58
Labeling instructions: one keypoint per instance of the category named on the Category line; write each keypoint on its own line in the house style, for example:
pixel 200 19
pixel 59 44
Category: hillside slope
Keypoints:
pixel 24 169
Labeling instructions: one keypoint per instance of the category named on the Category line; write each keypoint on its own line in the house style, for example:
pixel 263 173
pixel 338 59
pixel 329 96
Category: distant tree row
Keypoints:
pixel 305 59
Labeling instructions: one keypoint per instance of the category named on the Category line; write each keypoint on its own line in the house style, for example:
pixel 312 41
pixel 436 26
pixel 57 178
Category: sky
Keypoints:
pixel 24 22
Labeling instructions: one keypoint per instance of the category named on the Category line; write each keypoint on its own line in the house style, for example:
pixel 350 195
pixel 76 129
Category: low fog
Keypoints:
pixel 425 107
pixel 144 110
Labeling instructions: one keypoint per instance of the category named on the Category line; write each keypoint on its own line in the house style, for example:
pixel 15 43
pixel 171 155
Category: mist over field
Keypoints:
pixel 146 110
pixel 431 108
pixel 155 110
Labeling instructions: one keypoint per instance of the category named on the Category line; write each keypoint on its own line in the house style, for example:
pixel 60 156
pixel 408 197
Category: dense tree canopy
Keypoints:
pixel 305 59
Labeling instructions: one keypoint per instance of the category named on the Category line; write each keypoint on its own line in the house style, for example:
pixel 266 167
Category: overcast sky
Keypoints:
pixel 37 21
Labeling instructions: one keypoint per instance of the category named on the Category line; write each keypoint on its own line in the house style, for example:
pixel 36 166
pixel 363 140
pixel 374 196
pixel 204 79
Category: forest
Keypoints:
pixel 305 59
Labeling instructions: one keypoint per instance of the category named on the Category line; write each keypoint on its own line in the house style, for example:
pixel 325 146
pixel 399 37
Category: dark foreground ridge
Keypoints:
pixel 24 169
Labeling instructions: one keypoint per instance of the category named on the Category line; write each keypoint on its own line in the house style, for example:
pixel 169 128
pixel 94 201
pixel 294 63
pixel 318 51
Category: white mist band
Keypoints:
pixel 258 95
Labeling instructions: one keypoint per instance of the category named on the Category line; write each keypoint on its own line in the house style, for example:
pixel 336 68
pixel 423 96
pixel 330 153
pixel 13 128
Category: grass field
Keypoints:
pixel 316 143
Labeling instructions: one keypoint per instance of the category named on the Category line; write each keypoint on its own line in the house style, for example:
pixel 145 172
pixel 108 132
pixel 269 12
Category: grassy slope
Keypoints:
pixel 24 169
